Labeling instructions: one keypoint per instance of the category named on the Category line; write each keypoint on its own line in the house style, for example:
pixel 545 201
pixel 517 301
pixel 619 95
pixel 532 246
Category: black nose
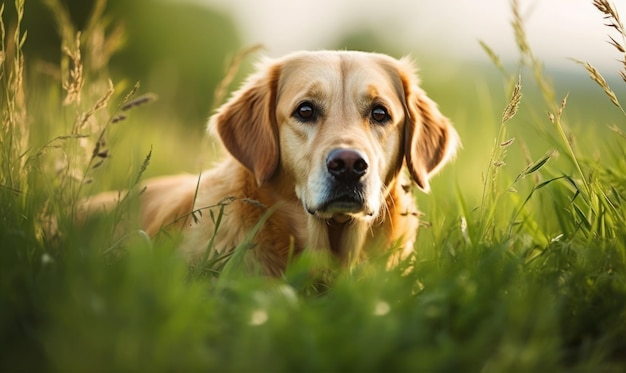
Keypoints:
pixel 347 165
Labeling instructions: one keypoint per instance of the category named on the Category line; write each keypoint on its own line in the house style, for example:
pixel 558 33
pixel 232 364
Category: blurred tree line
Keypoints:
pixel 178 50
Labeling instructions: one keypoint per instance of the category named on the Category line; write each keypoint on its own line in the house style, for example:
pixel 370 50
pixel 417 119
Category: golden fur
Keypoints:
pixel 322 138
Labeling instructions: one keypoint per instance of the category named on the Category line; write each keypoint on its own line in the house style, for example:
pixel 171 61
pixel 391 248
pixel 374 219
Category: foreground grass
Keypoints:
pixel 526 275
pixel 485 307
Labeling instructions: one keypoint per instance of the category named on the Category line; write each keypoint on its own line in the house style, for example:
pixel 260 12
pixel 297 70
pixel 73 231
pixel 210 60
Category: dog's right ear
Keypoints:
pixel 247 125
pixel 430 139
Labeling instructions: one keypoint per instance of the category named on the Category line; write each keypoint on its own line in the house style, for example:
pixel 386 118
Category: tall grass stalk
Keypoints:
pixel 14 136
pixel 498 155
pixel 528 58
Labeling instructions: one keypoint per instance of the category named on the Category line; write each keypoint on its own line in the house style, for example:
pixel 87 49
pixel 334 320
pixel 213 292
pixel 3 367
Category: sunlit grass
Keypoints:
pixel 519 264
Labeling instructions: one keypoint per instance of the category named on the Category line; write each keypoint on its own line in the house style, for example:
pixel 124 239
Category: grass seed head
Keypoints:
pixel 511 108
pixel 139 101
pixel 73 85
pixel 597 77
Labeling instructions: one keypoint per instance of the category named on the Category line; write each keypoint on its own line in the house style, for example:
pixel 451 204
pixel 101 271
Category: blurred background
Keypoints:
pixel 181 49
pixel 557 29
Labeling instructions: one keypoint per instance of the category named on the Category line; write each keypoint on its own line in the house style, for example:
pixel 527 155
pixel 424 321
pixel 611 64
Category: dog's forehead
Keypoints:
pixel 335 71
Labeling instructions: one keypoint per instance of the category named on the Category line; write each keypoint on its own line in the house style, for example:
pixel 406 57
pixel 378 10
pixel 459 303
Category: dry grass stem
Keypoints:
pixel 101 45
pixel 617 130
pixel 101 103
pixel 231 72
pixel 495 59
pixel 527 57
pixel 518 28
pixel 73 85
pixel 95 18
pixel 62 19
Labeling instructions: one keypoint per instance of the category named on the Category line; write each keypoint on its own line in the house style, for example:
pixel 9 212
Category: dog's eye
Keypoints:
pixel 305 112
pixel 380 115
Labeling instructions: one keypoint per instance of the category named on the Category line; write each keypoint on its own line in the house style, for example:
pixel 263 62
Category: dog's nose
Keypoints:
pixel 347 165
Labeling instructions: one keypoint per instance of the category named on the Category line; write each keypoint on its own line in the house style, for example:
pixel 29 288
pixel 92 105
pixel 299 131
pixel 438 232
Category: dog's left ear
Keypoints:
pixel 247 125
pixel 430 140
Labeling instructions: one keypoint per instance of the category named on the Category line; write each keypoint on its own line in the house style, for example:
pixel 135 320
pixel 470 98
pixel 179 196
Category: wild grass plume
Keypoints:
pixel 612 17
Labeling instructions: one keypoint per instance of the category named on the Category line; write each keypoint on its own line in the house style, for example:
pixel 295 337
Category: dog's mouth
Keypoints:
pixel 343 203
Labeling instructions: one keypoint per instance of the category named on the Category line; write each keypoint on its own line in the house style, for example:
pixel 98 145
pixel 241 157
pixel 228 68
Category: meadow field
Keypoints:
pixel 520 263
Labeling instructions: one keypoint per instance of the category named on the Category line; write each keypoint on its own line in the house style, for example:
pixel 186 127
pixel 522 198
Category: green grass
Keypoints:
pixel 520 264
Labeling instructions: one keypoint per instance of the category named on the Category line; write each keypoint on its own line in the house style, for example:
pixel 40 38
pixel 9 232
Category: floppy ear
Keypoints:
pixel 247 125
pixel 429 139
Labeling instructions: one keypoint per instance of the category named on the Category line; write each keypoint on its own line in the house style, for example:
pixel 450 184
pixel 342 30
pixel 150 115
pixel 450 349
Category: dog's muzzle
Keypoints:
pixel 345 192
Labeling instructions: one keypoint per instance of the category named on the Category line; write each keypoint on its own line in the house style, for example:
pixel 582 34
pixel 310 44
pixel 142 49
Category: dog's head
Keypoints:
pixel 336 128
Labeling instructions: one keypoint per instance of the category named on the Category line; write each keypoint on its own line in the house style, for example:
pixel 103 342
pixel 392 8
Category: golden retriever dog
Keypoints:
pixel 322 140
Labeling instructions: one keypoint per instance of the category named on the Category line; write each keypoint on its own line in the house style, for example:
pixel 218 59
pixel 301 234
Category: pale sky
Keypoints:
pixel 557 29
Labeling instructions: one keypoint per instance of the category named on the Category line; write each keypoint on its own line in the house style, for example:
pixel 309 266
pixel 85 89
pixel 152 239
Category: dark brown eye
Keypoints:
pixel 305 112
pixel 380 115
